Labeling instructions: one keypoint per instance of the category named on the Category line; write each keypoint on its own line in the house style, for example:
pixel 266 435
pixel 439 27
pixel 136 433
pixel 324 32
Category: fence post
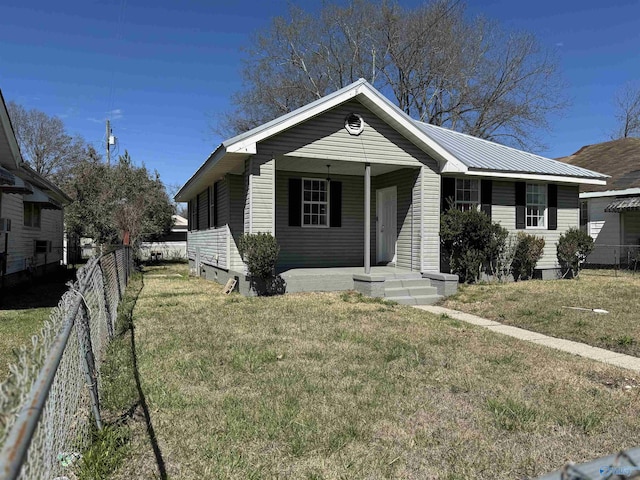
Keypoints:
pixel 115 262
pixel 88 361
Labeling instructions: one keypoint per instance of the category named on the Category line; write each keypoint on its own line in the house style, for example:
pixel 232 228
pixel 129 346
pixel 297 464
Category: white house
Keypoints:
pixel 31 213
pixel 611 213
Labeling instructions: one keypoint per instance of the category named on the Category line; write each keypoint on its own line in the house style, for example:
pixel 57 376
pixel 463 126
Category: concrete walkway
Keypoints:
pixel 581 349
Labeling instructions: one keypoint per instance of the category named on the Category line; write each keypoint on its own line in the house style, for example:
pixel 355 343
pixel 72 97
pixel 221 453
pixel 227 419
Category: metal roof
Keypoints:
pixel 480 154
pixel 629 204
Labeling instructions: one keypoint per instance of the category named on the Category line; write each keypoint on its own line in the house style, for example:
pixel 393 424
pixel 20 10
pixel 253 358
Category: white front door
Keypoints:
pixel 386 224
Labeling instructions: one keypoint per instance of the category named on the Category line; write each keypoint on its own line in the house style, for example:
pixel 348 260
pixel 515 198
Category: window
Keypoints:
pixel 536 205
pixel 314 203
pixel 467 194
pixel 584 216
pixel 31 215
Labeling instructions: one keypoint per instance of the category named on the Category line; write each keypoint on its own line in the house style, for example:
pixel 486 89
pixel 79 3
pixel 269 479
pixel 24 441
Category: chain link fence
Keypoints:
pixel 50 400
pixel 611 259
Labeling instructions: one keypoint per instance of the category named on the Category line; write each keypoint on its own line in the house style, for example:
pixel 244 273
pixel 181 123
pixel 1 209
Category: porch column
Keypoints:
pixel 367 218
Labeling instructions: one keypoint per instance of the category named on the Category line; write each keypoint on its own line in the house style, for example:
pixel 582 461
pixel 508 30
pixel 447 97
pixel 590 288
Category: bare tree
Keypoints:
pixel 627 104
pixel 439 66
pixel 44 142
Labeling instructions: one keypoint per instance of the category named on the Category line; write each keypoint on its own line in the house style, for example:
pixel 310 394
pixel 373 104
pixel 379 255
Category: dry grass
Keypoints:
pixel 538 306
pixel 23 310
pixel 324 386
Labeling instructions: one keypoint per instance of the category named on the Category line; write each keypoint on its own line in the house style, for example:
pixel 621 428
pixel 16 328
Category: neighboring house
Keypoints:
pixel 351 181
pixel 172 246
pixel 611 213
pixel 31 213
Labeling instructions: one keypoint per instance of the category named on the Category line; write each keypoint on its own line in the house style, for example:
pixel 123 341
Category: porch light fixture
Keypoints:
pixel 328 173
pixel 354 124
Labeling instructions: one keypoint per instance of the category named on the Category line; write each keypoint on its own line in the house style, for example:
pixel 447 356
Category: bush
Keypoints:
pixel 528 251
pixel 573 248
pixel 260 252
pixel 472 242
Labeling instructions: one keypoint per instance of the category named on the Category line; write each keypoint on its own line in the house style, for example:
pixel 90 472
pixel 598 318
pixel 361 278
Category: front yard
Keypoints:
pixel 336 386
pixel 540 306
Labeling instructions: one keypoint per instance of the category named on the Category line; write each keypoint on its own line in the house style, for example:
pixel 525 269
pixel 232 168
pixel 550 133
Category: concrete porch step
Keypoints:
pixel 424 289
pixel 417 300
pixel 407 282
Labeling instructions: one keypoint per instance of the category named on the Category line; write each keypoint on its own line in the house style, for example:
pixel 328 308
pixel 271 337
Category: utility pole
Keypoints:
pixel 108 141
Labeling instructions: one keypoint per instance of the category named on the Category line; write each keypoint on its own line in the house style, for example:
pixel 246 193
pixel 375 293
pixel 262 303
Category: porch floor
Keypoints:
pixel 336 278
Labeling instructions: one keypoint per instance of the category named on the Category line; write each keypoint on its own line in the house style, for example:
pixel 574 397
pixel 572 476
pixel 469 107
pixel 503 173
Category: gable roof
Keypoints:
pixel 618 158
pixel 455 152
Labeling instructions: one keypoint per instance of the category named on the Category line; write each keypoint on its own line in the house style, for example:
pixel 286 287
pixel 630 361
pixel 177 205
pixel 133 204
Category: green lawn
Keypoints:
pixel 334 386
pixel 540 306
pixel 23 310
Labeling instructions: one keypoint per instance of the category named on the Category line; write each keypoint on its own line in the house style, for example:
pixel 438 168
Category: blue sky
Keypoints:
pixel 162 70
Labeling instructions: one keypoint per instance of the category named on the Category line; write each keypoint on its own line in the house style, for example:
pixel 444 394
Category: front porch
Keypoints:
pixel 396 284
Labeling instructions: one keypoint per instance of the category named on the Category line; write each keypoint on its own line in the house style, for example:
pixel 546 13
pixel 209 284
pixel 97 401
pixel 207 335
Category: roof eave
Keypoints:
pixel 216 155
pixel 537 177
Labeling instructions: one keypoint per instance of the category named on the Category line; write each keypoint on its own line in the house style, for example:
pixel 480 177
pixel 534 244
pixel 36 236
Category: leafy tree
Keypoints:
pixel 112 200
pixel 44 143
pixel 440 67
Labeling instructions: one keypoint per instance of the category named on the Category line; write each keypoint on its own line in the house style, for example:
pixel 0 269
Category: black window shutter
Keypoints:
pixel 215 205
pixel 189 220
pixel 295 202
pixel 335 204
pixel 208 200
pixel 197 212
pixel 552 213
pixel 486 193
pixel 448 192
pixel 521 205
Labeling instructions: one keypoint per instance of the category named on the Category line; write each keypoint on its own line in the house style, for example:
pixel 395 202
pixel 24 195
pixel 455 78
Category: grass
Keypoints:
pixel 539 306
pixel 23 309
pixel 327 386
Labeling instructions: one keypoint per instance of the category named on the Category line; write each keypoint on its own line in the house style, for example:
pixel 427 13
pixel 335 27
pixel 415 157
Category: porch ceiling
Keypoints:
pixel 338 167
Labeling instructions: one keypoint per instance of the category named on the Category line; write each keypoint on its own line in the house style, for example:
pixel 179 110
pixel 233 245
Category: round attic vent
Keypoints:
pixel 354 124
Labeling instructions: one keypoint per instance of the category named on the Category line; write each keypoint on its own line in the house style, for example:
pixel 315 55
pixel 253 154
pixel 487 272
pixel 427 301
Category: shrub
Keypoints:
pixel 260 252
pixel 573 248
pixel 472 242
pixel 528 251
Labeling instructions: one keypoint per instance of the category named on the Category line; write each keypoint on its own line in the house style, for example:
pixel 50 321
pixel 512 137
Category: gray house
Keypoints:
pixel 353 188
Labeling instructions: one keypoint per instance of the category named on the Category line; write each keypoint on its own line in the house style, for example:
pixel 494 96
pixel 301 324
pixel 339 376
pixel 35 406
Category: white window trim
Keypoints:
pixel 546 207
pixel 303 202
pixel 462 202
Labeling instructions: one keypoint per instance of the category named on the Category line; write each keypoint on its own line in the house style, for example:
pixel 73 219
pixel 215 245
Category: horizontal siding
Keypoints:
pixel 604 228
pixel 20 251
pixel 503 211
pixel 210 244
pixel 321 247
pixel 325 137
pixel 262 184
pixel 430 218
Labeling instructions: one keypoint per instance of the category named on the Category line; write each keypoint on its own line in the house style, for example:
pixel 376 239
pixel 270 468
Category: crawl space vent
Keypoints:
pixel 354 124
